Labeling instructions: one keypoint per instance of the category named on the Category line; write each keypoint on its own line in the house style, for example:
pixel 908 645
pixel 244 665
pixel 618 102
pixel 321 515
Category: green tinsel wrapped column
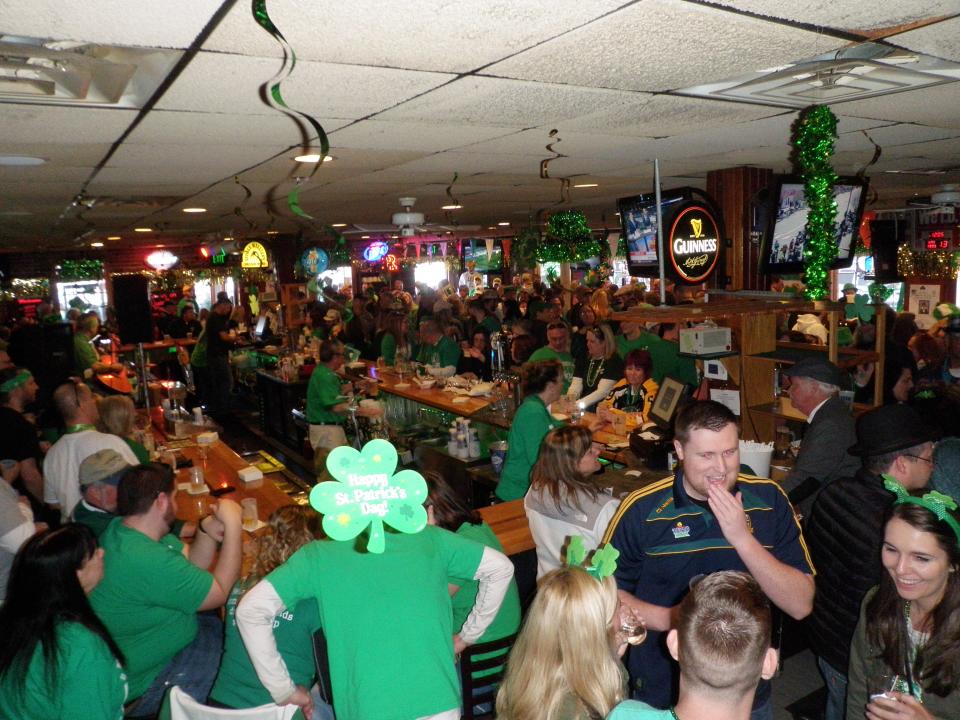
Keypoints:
pixel 814 135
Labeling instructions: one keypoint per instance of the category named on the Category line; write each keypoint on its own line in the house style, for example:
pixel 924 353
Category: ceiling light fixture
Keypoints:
pixel 273 232
pixel 113 237
pixel 20 160
pixel 312 158
pixel 96 244
pixel 583 185
pixel 143 229
pixel 451 207
pixel 503 224
pixel 364 237
pixel 195 210
pixel 338 225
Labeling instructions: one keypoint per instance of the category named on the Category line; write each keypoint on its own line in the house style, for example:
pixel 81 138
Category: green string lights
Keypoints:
pixel 814 135
pixel 568 239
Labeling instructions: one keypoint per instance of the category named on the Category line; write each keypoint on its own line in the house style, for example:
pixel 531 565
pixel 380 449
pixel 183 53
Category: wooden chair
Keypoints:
pixel 479 693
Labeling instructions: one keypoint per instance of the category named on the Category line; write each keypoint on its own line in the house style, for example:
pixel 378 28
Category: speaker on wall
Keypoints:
pixel 884 240
pixel 131 298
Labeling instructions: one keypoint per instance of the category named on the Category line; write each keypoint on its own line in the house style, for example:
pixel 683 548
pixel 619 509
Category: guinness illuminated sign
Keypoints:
pixel 693 244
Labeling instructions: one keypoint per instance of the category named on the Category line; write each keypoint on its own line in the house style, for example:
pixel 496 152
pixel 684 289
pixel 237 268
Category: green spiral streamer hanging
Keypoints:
pixel 275 98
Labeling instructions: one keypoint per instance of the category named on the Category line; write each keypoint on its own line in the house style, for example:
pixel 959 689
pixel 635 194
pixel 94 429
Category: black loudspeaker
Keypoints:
pixel 131 298
pixel 884 240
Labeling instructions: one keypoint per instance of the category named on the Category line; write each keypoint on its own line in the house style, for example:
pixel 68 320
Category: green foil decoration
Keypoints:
pixel 568 239
pixel 814 135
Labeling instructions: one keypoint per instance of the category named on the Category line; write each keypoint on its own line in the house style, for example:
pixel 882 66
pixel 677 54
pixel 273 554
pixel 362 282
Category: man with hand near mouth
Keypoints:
pixel 705 518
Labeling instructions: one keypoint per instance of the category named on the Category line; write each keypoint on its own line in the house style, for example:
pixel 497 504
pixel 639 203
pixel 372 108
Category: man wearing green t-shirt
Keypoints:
pixel 387 619
pixel 665 353
pixel 153 588
pixel 558 348
pixel 326 403
pixel 436 348
pixel 84 356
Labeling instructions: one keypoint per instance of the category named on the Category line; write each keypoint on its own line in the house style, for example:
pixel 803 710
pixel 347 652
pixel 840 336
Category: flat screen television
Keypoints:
pixel 786 232
pixel 638 224
pixel 476 251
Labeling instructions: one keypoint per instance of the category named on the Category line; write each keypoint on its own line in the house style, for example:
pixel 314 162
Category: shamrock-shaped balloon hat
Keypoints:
pixel 603 562
pixel 366 492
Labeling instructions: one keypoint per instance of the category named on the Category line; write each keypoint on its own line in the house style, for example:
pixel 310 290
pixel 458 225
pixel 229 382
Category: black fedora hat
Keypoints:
pixel 889 428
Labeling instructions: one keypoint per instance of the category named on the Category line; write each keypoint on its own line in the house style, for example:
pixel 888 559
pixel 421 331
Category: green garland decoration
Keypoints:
pixel 814 135
pixel 81 269
pixel 523 250
pixel 568 239
pixel 339 253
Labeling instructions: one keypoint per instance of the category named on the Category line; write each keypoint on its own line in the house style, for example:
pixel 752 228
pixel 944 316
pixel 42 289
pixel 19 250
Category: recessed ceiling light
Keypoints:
pixel 228 239
pixel 338 225
pixel 273 232
pixel 503 224
pixel 20 160
pixel 160 246
pixel 582 185
pixel 451 207
pixel 96 244
pixel 313 158
pixel 143 229
pixel 364 237
pixel 492 227
pixel 113 237
pixel 195 210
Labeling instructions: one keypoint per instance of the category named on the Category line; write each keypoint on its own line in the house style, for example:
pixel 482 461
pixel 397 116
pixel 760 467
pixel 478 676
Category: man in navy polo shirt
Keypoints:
pixel 705 518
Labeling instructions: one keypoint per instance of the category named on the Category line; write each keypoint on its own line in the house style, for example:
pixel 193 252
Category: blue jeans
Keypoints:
pixel 836 683
pixel 194 669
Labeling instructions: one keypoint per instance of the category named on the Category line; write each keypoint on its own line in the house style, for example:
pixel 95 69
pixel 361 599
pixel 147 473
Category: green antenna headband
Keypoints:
pixel 936 502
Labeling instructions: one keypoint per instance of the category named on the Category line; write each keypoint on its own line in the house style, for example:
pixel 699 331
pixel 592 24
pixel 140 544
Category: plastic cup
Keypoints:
pixel 197 482
pixel 248 513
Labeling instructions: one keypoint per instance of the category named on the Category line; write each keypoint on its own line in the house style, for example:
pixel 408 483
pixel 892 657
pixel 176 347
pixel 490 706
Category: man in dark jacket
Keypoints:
pixel 814 388
pixel 845 530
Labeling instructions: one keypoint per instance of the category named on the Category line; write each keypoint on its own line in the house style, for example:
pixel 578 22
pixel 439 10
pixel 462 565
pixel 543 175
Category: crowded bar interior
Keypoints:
pixel 561 360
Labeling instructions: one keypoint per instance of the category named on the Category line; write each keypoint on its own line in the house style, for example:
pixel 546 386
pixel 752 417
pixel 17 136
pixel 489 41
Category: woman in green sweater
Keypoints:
pixel 57 660
pixel 541 384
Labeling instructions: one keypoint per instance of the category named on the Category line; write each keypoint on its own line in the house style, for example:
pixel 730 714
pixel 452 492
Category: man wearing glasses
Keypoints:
pixel 61 467
pixel 845 530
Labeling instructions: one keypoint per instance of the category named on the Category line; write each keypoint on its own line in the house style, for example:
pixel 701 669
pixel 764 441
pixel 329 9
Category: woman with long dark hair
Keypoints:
pixel 564 499
pixel 909 630
pixel 57 660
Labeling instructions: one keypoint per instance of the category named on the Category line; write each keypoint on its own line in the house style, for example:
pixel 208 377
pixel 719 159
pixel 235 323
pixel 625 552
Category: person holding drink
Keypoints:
pixel 905 655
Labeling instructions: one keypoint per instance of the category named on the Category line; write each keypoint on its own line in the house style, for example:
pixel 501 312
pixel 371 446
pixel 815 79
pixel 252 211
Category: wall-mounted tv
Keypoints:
pixel 786 232
pixel 638 223
pixel 475 250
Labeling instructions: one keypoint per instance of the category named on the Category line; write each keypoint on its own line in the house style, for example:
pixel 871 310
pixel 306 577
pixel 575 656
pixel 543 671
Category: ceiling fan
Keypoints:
pixel 947 197
pixel 409 223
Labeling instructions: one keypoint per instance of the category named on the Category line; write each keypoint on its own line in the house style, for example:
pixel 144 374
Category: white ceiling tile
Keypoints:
pixel 417 136
pixel 727 45
pixel 416 34
pixel 508 103
pixel 666 115
pixel 36 124
pixel 533 143
pixel 848 14
pixel 926 106
pixel 940 40
pixel 58 155
pixel 892 136
pixel 167 24
pixel 214 82
pixel 44 173
pixel 200 128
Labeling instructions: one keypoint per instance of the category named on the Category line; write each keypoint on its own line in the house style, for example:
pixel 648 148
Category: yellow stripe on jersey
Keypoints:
pixel 630 499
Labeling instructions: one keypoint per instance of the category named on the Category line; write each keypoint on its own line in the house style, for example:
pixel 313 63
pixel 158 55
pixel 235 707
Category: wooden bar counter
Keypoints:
pixel 389 382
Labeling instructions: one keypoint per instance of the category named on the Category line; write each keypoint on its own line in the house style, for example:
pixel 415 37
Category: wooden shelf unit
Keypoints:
pixel 753 323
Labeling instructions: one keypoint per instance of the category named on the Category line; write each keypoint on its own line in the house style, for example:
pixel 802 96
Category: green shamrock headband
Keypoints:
pixel 936 502
pixel 603 563
pixel 16 381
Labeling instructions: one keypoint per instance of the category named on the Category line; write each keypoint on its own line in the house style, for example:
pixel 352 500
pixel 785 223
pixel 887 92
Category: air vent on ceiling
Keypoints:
pixel 862 71
pixel 35 70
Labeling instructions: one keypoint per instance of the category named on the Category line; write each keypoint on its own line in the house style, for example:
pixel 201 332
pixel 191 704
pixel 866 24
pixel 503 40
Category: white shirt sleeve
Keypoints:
pixel 254 616
pixel 576 387
pixel 603 389
pixel 494 573
pixel 12 541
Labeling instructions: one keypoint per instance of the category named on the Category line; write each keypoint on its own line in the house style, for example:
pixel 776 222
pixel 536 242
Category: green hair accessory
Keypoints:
pixel 16 381
pixel 603 562
pixel 936 502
